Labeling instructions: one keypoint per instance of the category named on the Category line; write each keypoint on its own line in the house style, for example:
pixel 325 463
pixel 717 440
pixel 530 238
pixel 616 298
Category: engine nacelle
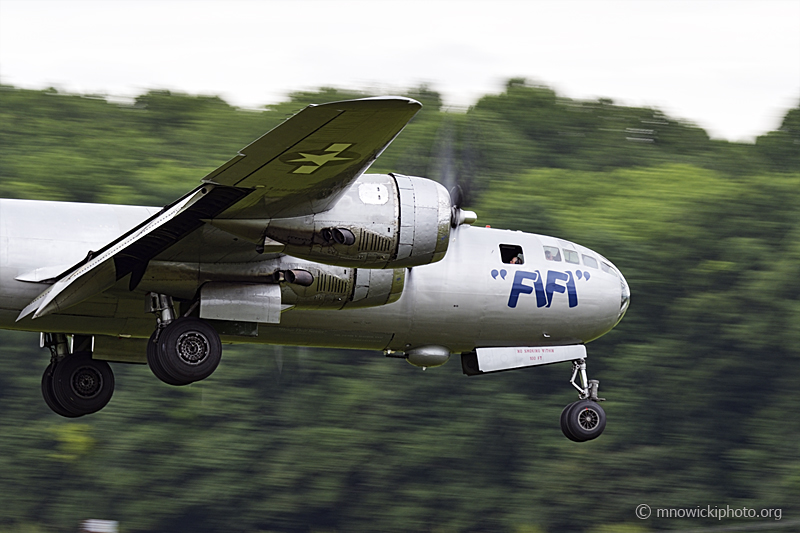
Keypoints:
pixel 258 292
pixel 316 286
pixel 381 221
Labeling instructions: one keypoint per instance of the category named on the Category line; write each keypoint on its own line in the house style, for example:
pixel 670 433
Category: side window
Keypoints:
pixel 551 253
pixel 571 256
pixel 589 261
pixel 608 268
pixel 511 254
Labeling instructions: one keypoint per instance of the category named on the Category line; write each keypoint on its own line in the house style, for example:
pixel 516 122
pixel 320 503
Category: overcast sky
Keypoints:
pixel 731 66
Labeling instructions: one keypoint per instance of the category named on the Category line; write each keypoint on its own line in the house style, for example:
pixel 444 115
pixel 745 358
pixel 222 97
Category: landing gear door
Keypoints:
pixel 498 359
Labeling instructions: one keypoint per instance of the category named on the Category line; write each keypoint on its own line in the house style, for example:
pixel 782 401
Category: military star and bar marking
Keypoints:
pixel 311 162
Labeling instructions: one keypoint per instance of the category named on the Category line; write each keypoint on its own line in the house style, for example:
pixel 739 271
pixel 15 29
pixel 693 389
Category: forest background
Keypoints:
pixel 701 376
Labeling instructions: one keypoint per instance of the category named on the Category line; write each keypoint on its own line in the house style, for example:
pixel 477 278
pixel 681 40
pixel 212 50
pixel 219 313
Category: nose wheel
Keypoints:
pixel 585 419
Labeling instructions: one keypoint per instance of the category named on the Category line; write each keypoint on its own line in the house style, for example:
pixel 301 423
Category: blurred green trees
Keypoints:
pixel 700 376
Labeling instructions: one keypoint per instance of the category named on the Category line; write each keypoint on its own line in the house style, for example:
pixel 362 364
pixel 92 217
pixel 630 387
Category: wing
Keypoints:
pixel 301 167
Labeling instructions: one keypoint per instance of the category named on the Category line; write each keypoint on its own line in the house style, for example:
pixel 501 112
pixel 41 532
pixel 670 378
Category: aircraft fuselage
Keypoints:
pixel 474 297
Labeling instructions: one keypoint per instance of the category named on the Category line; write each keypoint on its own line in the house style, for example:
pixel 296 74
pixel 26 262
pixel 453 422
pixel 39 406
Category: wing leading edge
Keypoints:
pixel 300 167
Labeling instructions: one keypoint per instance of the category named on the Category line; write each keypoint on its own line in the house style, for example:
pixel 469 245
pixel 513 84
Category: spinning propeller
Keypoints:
pixel 459 216
pixel 445 170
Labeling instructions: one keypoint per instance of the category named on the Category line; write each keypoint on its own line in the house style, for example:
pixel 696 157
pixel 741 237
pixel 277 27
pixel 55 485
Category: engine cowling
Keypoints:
pixel 333 287
pixel 382 221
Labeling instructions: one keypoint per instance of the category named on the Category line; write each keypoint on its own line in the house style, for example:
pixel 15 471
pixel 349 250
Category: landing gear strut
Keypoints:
pixel 182 350
pixel 74 384
pixel 585 419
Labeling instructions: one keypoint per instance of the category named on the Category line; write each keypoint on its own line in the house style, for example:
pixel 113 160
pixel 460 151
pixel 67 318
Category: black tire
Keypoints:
pixel 154 362
pixel 82 385
pixel 564 427
pixel 49 395
pixel 585 420
pixel 189 349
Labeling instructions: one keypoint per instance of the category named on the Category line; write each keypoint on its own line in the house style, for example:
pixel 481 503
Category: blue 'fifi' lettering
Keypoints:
pixel 552 287
pixel 544 293
pixel 519 288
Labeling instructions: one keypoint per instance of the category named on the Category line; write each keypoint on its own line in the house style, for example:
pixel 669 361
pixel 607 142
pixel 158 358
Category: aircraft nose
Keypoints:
pixel 625 296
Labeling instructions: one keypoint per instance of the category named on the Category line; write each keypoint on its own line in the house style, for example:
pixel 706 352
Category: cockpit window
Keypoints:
pixel 589 261
pixel 605 267
pixel 512 254
pixel 551 253
pixel 571 256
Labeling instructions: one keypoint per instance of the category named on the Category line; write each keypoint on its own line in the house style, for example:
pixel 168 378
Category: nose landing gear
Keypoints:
pixel 585 419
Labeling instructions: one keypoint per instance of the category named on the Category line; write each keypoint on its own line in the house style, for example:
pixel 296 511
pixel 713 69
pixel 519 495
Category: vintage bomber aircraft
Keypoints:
pixel 290 242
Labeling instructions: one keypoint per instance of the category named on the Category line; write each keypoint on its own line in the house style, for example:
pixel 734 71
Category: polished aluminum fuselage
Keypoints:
pixel 460 302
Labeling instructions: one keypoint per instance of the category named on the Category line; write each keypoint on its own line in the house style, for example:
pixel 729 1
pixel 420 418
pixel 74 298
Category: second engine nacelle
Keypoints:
pixel 316 286
pixel 284 281
pixel 381 221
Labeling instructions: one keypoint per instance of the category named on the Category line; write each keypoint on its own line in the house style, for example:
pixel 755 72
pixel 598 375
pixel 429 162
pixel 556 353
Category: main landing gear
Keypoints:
pixel 73 383
pixel 182 350
pixel 585 419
